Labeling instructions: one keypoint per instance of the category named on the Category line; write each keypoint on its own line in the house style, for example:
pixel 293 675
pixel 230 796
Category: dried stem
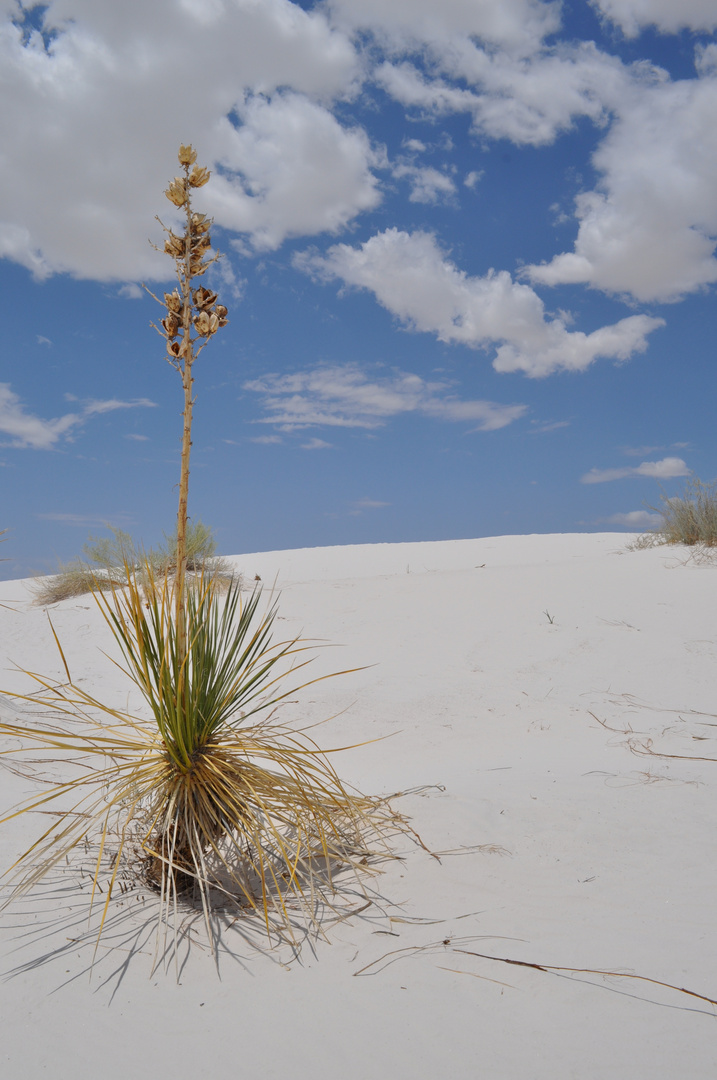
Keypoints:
pixel 188 309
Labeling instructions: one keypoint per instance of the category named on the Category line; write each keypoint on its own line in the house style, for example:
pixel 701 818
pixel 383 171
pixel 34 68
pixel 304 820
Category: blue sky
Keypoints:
pixel 469 266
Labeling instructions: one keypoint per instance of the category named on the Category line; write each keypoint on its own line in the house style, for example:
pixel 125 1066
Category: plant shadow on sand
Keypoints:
pixel 61 924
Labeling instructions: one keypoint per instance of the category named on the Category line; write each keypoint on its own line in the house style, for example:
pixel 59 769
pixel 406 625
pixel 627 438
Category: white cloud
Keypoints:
pixel 137 438
pixel 512 24
pixel 290 170
pixel 668 16
pixel 93 407
pixel 358 507
pixel 90 124
pixel 526 99
pixel 428 185
pixel 27 431
pixel 263 440
pixel 649 227
pixel 413 279
pixel 635 519
pixel 131 291
pixel 666 469
pixel 316 444
pixel 343 396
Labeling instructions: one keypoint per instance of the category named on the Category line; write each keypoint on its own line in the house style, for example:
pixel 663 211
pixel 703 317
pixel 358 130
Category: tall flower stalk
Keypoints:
pixel 193 317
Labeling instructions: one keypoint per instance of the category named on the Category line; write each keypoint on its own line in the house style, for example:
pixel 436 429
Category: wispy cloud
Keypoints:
pixel 88 521
pixel 342 395
pixel 360 505
pixel 543 427
pixel 316 444
pixel 666 469
pixel 137 438
pixel 91 407
pixel 263 440
pixel 27 431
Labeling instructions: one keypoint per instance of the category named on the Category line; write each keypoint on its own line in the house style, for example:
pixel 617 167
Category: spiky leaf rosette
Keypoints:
pixel 223 801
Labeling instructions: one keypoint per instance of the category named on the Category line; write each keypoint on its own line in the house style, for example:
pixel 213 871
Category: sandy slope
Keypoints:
pixel 566 848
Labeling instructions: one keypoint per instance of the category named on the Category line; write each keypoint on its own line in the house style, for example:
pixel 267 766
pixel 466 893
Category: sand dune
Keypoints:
pixel 548 703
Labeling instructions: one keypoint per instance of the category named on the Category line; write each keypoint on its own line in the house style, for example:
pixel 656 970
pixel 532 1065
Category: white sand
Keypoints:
pixel 573 850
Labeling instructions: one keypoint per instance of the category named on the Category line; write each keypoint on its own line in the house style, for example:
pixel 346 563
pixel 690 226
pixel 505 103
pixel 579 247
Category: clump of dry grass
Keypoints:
pixel 690 518
pixel 107 556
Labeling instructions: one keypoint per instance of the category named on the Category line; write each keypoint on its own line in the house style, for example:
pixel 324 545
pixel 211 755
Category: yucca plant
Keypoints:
pixel 214 797
pixel 208 792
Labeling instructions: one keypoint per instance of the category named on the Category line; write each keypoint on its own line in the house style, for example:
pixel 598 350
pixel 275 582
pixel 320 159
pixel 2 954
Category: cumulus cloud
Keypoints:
pixel 666 469
pixel 649 228
pixel 290 169
pixel 428 185
pixel 667 15
pixel 343 396
pixel 98 110
pixel 528 100
pixel 27 431
pixel 411 277
pixel 401 24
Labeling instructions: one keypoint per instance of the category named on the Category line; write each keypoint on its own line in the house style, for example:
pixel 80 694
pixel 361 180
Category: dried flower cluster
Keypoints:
pixel 189 309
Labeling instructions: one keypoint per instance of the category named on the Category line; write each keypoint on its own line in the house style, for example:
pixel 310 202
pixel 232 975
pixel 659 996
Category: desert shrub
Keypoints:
pixel 690 518
pixel 106 558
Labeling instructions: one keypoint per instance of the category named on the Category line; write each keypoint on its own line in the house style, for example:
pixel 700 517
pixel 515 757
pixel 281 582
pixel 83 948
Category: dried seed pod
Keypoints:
pixel 173 301
pixel 177 191
pixel 204 298
pixel 199 176
pixel 171 325
pixel 174 246
pixel 200 244
pixel 176 349
pixel 213 323
pixel 221 311
pixel 202 323
pixel 187 155
pixel 201 223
